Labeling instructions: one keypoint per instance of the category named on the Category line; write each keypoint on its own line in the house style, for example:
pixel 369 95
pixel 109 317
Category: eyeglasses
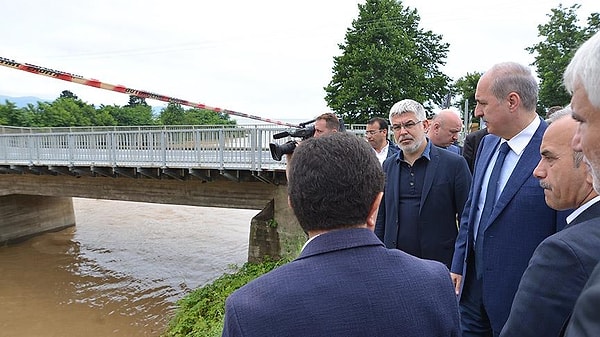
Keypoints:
pixel 408 125
pixel 373 132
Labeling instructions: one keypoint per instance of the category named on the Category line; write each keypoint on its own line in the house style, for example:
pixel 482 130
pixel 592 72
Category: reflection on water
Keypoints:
pixel 119 271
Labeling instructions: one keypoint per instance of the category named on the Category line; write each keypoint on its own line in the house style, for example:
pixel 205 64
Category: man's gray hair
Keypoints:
pixel 584 69
pixel 514 77
pixel 408 105
pixel 566 113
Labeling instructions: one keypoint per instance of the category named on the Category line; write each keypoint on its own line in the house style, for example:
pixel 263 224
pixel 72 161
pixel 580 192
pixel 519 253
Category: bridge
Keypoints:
pixel 229 166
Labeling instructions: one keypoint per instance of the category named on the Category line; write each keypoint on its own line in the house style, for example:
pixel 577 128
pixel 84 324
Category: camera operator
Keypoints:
pixel 325 124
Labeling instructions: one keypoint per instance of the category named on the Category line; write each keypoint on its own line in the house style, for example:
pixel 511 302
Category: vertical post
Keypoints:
pixel 467 116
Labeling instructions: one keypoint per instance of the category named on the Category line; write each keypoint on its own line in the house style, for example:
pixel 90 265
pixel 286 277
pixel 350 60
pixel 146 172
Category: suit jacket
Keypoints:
pixel 392 149
pixel 346 283
pixel 519 222
pixel 556 274
pixel 585 321
pixel 454 148
pixel 445 190
pixel 471 144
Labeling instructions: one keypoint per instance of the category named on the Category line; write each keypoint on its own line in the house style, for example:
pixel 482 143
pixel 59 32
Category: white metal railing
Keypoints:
pixel 223 148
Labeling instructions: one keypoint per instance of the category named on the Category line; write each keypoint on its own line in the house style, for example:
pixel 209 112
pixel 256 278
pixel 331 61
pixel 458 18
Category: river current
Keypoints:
pixel 119 271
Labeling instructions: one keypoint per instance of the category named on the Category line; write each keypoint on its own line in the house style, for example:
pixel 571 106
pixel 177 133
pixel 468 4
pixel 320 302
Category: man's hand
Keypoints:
pixel 456 280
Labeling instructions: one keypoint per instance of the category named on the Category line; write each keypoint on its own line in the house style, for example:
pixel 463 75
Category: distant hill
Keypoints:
pixel 21 102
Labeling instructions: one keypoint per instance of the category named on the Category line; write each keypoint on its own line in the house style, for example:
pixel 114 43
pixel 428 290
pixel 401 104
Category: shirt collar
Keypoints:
pixel 582 208
pixel 518 143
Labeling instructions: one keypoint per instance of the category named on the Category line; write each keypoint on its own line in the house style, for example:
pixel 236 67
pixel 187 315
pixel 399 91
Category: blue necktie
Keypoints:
pixel 488 206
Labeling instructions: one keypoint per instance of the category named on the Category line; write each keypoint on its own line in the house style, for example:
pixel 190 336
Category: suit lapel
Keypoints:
pixel 430 171
pixel 523 171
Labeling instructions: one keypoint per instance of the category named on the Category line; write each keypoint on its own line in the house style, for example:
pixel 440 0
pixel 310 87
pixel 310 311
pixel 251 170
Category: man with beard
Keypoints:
pixel 425 189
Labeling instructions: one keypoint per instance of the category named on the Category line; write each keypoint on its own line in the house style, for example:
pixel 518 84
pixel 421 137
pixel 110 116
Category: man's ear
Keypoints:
pixel 373 211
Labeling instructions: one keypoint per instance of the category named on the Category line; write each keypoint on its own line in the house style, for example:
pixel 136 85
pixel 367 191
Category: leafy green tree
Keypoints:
pixel 173 114
pixel 386 57
pixel 11 115
pixel 135 101
pixel 465 87
pixel 206 117
pixel 134 115
pixel 560 38
pixel 68 94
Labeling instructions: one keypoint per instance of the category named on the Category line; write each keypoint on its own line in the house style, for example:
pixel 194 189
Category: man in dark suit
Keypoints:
pixel 345 283
pixel 377 135
pixel 563 262
pixel 585 321
pixel 581 80
pixel 425 190
pixel 505 217
pixel 470 146
pixel 444 130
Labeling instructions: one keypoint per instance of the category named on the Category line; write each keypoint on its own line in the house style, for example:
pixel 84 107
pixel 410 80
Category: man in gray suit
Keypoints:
pixel 563 262
pixel 581 79
pixel 345 282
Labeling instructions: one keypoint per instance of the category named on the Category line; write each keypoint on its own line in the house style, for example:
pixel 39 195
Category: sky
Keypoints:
pixel 264 58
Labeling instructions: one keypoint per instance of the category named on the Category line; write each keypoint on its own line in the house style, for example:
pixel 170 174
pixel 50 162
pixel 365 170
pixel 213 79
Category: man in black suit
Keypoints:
pixel 470 146
pixel 563 262
pixel 425 189
pixel 345 283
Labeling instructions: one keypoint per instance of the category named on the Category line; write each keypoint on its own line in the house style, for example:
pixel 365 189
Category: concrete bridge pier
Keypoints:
pixel 24 216
pixel 275 231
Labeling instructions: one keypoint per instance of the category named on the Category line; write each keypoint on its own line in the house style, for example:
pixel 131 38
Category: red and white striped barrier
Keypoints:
pixel 125 90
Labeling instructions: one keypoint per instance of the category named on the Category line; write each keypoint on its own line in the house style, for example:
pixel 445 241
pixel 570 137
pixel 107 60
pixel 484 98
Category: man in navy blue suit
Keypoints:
pixel 377 135
pixel 426 188
pixel 498 235
pixel 581 79
pixel 563 262
pixel 345 283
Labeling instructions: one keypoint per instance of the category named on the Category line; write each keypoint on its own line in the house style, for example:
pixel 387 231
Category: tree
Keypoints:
pixel 560 38
pixel 135 100
pixel 465 87
pixel 386 57
pixel 173 114
pixel 68 94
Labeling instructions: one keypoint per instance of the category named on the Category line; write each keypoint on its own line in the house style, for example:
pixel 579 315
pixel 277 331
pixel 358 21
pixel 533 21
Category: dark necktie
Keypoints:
pixel 488 206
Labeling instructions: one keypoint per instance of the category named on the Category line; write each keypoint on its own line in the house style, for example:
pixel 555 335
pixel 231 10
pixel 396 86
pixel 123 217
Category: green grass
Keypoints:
pixel 201 313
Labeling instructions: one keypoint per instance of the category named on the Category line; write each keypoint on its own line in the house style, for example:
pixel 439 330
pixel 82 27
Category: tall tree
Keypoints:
pixel 386 57
pixel 561 36
pixel 465 87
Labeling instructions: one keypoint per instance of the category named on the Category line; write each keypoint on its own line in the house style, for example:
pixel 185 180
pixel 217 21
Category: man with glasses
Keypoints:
pixel 425 190
pixel 377 135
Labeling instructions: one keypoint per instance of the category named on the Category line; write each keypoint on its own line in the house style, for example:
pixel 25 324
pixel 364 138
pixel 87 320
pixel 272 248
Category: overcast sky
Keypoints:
pixel 266 58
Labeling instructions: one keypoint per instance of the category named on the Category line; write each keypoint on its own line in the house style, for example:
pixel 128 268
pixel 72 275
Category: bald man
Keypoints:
pixel 444 130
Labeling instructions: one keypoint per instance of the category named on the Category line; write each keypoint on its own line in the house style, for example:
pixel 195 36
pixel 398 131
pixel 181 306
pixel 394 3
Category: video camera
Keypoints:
pixel 304 132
